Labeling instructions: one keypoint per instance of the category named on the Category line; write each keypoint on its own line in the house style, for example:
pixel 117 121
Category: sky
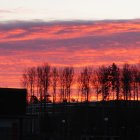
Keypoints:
pixel 68 9
pixel 66 32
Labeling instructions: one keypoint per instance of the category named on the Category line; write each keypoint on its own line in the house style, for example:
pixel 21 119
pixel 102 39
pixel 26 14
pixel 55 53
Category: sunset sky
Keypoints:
pixel 66 32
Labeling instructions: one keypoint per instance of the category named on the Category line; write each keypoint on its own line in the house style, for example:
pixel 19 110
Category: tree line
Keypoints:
pixel 48 83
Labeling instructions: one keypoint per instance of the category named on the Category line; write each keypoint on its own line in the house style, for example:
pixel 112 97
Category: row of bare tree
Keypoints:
pixel 45 83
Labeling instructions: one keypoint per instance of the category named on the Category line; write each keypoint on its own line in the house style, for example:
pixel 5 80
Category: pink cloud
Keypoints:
pixel 25 44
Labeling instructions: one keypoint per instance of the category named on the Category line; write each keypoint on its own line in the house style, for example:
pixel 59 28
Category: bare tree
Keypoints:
pixel 66 76
pixel 134 72
pixel 62 85
pixel 69 74
pixel 40 82
pixel 24 79
pixel 31 75
pixel 137 79
pixel 84 82
pixel 28 81
pixel 126 81
pixel 115 80
pixel 95 84
pixel 54 81
pixel 25 82
pixel 46 69
pixel 104 80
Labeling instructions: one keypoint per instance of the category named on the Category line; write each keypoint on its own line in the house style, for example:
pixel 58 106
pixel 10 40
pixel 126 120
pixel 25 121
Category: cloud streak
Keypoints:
pixel 76 43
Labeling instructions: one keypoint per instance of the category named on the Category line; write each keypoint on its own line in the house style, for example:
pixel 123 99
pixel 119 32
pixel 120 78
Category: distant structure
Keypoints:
pixel 12 112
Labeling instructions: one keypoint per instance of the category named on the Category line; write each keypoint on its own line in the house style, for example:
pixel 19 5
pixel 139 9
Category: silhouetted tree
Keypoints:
pixel 66 75
pixel 62 85
pixel 25 82
pixel 54 81
pixel 84 82
pixel 108 82
pixel 126 81
pixel 134 72
pixel 137 79
pixel 104 80
pixel 39 82
pixel 115 80
pixel 95 84
pixel 46 69
pixel 28 80
pixel 69 74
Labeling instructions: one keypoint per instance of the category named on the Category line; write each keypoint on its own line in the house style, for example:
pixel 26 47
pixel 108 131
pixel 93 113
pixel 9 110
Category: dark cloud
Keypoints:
pixel 7 25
